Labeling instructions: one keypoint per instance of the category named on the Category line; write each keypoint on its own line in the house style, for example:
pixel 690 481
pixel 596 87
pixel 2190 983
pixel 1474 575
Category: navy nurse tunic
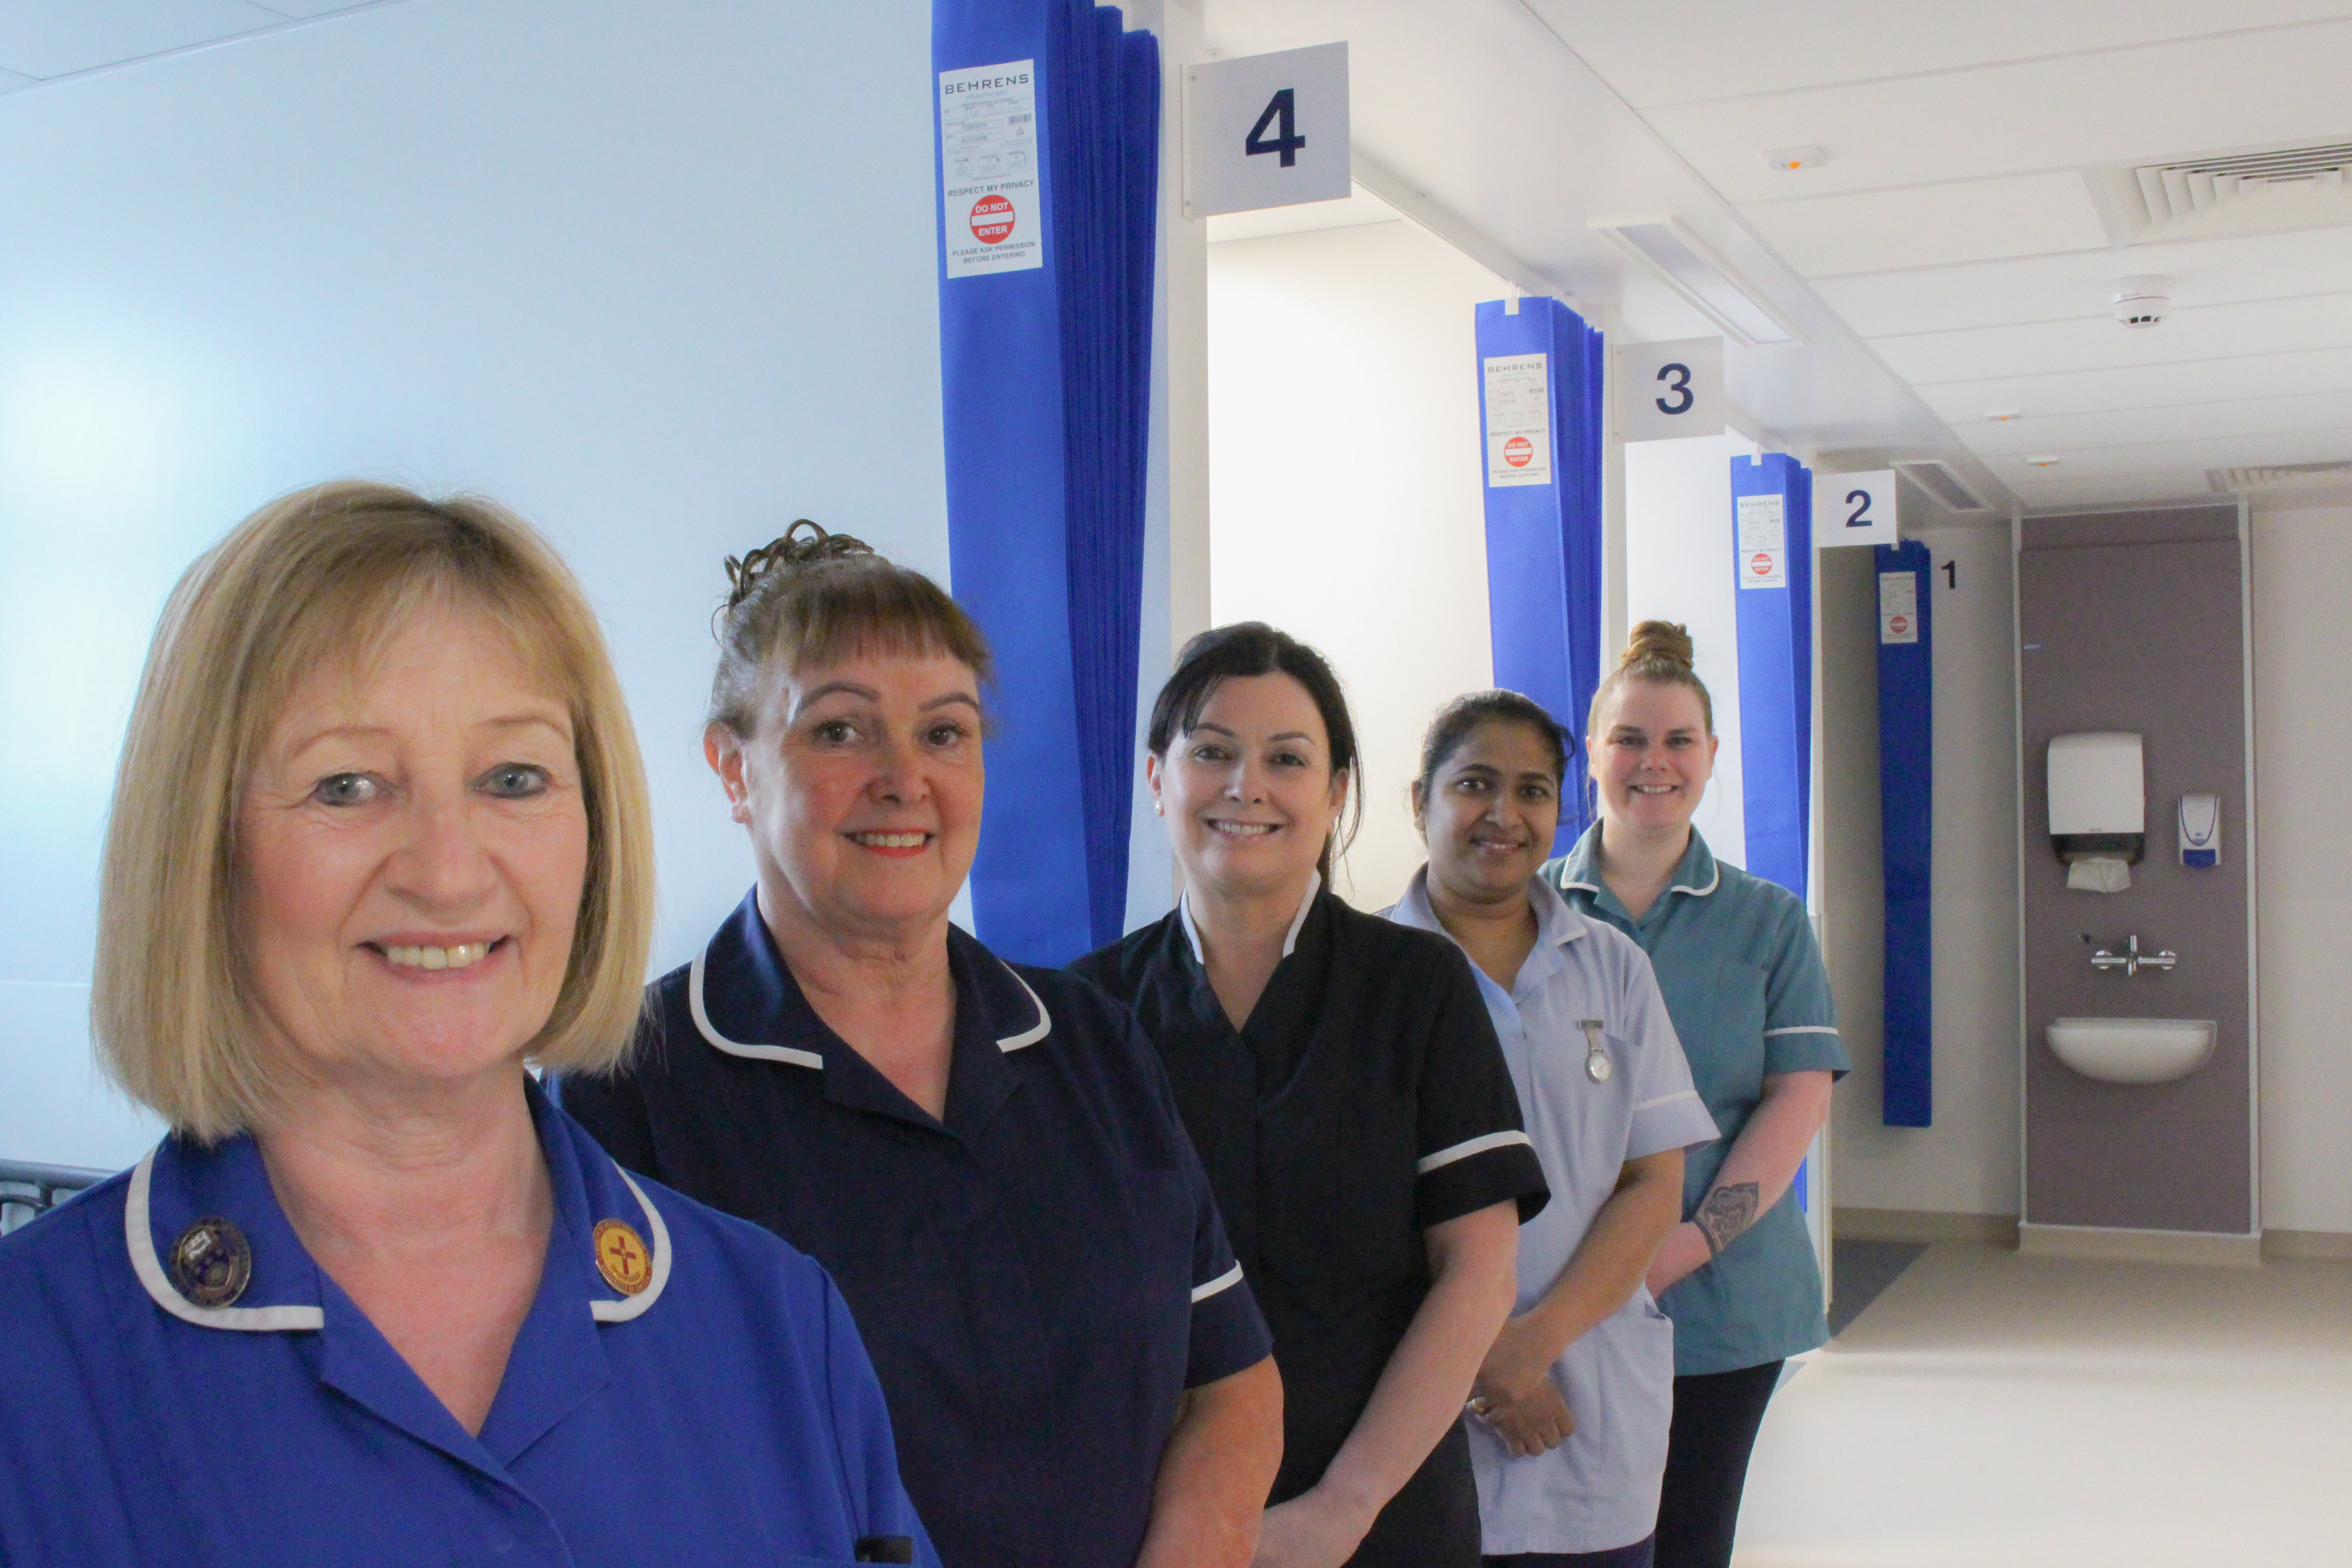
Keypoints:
pixel 724 1414
pixel 1366 1101
pixel 1039 1277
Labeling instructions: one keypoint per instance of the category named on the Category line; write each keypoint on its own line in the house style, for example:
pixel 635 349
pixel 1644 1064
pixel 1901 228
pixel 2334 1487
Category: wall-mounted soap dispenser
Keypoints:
pixel 2201 830
pixel 2098 808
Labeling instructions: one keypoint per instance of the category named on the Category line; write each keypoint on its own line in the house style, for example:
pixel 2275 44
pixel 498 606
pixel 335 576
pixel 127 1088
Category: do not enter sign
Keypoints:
pixel 991 220
pixel 1519 451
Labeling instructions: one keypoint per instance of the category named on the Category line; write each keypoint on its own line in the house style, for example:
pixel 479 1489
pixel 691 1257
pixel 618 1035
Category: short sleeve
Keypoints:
pixel 1667 1110
pixel 861 1430
pixel 1799 1017
pixel 1473 1146
pixel 1229 1334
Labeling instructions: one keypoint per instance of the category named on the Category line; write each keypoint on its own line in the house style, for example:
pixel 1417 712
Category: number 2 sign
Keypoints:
pixel 1854 509
pixel 1266 131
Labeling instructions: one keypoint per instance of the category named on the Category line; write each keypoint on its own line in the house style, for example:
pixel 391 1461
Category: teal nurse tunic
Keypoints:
pixel 1744 984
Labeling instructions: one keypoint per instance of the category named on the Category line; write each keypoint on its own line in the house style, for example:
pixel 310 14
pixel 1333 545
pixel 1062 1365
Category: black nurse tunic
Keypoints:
pixel 1366 1099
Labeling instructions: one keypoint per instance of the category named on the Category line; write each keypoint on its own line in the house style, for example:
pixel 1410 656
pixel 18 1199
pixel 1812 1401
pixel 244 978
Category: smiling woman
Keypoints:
pixel 379 841
pixel 985 1155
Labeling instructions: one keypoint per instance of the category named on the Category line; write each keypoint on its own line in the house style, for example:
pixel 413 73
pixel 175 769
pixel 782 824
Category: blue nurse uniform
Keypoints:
pixel 1040 1275
pixel 722 1412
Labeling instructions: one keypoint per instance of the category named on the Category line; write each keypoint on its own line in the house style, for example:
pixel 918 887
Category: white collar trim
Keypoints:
pixel 1713 883
pixel 793 1056
pixel 1289 938
pixel 138 1234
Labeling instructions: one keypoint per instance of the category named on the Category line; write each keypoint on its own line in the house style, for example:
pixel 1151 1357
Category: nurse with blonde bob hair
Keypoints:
pixel 380 844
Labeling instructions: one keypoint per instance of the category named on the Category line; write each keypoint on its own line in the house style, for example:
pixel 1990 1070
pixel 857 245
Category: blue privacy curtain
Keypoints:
pixel 1046 385
pixel 1543 540
pixel 1906 800
pixel 1772 500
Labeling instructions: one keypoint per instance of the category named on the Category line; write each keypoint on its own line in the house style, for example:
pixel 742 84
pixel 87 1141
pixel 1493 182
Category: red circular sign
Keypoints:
pixel 991 220
pixel 1519 451
pixel 1899 624
pixel 1760 563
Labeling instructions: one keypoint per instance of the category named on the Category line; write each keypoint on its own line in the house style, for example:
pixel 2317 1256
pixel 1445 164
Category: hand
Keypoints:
pixel 1536 1425
pixel 1313 1530
pixel 1684 1253
pixel 1515 1366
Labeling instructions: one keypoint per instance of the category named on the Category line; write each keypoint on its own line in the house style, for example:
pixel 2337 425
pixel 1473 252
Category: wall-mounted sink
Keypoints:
pixel 2132 1050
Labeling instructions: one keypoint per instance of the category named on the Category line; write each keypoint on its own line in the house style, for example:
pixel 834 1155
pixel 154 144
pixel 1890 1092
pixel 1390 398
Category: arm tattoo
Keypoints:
pixel 1727 1212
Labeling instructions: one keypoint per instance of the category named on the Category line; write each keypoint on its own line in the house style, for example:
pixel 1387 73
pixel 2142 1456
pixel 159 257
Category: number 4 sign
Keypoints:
pixel 1266 131
pixel 1854 509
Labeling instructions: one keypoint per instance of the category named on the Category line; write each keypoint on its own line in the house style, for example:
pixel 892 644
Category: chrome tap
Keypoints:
pixel 2131 961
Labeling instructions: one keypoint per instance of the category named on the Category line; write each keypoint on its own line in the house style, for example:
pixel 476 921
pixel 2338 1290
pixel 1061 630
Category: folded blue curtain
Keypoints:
pixel 1771 498
pixel 1906 788
pixel 1046 387
pixel 1543 540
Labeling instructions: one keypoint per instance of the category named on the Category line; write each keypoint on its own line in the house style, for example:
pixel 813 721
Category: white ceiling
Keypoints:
pixel 1945 262
pixel 1949 237
pixel 41 40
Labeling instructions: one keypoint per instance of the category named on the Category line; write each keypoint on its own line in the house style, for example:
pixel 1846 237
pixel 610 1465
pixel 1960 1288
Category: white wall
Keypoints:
pixel 660 275
pixel 1345 488
pixel 2303 905
pixel 1967 1163
pixel 1678 567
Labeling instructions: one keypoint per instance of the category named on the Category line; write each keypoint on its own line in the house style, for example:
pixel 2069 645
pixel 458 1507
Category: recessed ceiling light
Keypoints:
pixel 2003 416
pixel 2041 460
pixel 1794 158
pixel 1678 258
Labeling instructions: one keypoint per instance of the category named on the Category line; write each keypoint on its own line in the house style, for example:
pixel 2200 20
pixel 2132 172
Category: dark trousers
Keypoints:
pixel 1634 1556
pixel 1715 1417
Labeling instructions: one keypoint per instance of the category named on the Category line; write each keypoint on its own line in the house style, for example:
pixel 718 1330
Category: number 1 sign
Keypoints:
pixel 1854 509
pixel 1265 131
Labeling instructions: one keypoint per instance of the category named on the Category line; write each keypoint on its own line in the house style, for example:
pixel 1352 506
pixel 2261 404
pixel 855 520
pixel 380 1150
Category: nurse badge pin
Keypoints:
pixel 211 1263
pixel 1597 1065
pixel 622 1258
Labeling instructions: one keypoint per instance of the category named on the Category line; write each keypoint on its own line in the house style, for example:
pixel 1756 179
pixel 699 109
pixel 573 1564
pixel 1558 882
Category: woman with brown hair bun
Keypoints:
pixel 1343 1083
pixel 1743 981
pixel 984 1155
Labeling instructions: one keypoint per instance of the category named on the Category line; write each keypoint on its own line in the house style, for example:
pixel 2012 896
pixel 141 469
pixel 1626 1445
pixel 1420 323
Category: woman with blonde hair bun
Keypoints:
pixel 380 844
pixel 1744 984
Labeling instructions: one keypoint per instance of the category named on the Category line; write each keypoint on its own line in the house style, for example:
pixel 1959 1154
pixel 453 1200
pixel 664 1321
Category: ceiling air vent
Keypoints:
pixel 2225 194
pixel 1943 484
pixel 2280 477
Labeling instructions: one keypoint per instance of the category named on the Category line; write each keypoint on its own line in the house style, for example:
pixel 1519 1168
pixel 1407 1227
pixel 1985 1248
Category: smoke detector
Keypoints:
pixel 2143 301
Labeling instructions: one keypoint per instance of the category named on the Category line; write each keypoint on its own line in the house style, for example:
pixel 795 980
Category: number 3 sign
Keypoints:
pixel 1266 131
pixel 1671 390
pixel 1854 509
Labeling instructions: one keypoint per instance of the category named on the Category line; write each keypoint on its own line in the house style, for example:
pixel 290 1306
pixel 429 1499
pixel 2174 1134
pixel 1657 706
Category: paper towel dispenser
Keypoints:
pixel 2098 797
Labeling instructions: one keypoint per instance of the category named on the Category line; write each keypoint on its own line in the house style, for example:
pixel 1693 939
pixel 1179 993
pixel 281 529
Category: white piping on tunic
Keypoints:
pixel 1289 938
pixel 1641 1106
pixel 793 1056
pixel 629 1307
pixel 1468 1147
pixel 1800 1030
pixel 790 1055
pixel 139 1233
pixel 1230 1277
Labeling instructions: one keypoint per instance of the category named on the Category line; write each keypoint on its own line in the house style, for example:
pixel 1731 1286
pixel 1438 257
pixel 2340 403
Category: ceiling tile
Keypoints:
pixel 2054 288
pixel 1977 220
pixel 2251 89
pixel 2172 457
pixel 2181 422
pixel 2211 331
pixel 2147 386
pixel 308 9
pixel 1674 51
pixel 2170 484
pixel 46 38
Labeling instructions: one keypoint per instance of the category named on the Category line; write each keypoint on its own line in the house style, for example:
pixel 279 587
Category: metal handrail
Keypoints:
pixel 49 1185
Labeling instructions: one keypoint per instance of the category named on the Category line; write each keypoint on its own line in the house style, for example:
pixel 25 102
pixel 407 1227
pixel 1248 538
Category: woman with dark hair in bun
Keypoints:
pixel 1343 1084
pixel 986 1156
pixel 1743 980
